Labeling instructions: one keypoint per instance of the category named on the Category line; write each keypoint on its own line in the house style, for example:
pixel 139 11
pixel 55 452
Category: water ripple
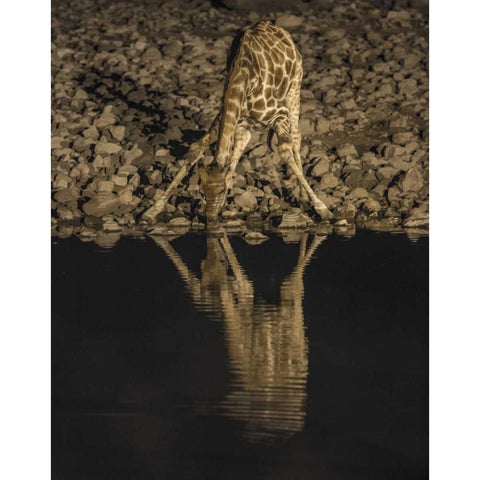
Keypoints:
pixel 266 343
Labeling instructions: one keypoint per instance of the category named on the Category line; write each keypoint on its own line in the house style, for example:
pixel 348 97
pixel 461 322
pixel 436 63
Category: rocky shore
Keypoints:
pixel 133 84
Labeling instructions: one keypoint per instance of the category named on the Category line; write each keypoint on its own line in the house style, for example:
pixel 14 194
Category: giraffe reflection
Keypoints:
pixel 266 343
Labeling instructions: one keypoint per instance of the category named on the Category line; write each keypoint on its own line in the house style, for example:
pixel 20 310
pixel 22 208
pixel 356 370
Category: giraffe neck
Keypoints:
pixel 233 101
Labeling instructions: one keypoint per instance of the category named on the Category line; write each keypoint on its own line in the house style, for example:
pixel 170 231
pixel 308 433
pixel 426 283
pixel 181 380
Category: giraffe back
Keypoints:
pixel 275 65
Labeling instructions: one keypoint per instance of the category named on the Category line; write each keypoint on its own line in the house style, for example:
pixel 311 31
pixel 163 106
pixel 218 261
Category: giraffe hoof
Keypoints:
pixel 148 216
pixel 324 212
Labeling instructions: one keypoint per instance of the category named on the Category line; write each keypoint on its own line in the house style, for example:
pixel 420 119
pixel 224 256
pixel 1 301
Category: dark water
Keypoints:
pixel 215 359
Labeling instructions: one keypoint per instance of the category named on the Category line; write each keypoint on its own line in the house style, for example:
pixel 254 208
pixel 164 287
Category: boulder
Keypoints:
pixel 246 200
pixel 101 205
pixel 286 20
pixel 107 148
pixel 412 180
pixel 328 181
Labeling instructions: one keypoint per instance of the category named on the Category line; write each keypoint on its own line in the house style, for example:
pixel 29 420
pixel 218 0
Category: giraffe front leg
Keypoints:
pixel 159 205
pixel 193 155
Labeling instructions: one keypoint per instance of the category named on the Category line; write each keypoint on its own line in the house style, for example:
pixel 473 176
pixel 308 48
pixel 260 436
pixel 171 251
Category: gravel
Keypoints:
pixel 133 85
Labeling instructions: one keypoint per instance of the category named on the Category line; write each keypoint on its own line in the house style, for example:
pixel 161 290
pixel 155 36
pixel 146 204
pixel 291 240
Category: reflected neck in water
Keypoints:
pixel 266 342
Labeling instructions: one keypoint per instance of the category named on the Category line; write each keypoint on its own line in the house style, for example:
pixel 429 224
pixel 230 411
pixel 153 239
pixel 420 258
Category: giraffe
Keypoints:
pixel 262 89
pixel 266 342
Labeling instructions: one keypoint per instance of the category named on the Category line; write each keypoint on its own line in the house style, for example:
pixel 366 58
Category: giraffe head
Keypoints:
pixel 212 179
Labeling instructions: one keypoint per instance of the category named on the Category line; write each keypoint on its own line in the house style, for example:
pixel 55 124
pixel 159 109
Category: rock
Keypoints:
pixel 118 132
pixel 58 142
pixel 306 126
pixel 345 230
pixel 105 120
pixel 66 195
pixel 119 180
pixel 371 206
pixel 346 150
pixel 407 87
pixel 334 33
pixel 130 155
pixel 348 104
pixel 321 167
pixel 101 205
pixel 127 170
pixel 354 178
pixel 369 180
pixel 125 196
pixel 107 148
pixel 326 82
pixel 286 20
pixel 402 138
pixel 61 181
pixel 372 161
pixel 172 49
pixel 412 180
pixel 179 222
pixel 416 222
pixel 240 181
pixel 375 38
pixel 67 213
pixel 358 192
pixel 105 186
pixel 397 16
pixel 390 224
pixel 162 152
pixel 255 238
pixel 322 126
pixel 91 132
pixel 229 214
pixel 394 194
pixel 411 60
pixel 328 181
pixel 393 151
pixel 236 224
pixel 386 173
pixel 347 210
pixel 151 54
pixel 246 200
pixel 401 163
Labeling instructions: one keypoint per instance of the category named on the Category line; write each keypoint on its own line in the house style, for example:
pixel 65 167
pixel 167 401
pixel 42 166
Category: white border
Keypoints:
pixel 25 252
pixel 454 258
